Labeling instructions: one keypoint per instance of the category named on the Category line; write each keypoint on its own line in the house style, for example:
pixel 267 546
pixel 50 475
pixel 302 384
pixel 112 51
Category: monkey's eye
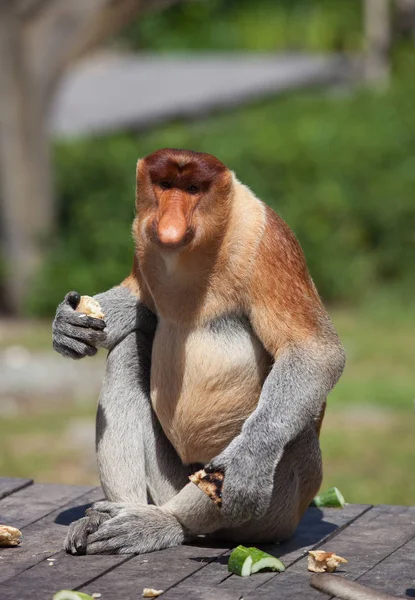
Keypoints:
pixel 166 185
pixel 192 189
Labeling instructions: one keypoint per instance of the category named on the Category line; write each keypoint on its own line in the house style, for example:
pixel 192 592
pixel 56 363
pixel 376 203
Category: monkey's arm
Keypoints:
pixel 289 319
pixel 290 401
pixel 76 336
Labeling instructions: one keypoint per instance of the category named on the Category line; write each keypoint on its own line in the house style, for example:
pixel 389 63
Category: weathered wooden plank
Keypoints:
pixel 377 537
pixel 66 572
pixel 365 543
pixel 9 485
pixel 206 593
pixel 36 501
pixel 315 526
pixel 395 574
pixel 159 570
pixel 45 537
pixel 286 586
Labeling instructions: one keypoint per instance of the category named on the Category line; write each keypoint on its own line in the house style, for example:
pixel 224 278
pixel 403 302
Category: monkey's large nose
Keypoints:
pixel 172 228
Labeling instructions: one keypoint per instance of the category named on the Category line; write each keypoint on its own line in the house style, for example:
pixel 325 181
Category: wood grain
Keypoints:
pixel 9 486
pixel 44 538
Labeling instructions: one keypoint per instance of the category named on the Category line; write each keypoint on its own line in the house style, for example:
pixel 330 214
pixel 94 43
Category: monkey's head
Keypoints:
pixel 183 199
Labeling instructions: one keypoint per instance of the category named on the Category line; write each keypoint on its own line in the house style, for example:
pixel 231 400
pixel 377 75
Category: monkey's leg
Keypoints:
pixel 297 479
pixel 135 459
pixel 135 528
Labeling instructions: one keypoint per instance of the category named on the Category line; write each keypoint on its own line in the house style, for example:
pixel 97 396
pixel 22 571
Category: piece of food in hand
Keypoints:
pixel 9 536
pixel 90 307
pixel 331 498
pixel 320 561
pixel 150 593
pixel 210 483
pixel 71 595
pixel 246 561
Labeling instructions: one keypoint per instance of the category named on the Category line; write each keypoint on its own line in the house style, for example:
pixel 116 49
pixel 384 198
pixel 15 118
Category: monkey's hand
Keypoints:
pixel 76 539
pixel 133 529
pixel 75 334
pixel 248 482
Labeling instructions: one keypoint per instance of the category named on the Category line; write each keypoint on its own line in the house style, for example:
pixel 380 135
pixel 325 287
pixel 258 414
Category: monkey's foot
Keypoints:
pixel 133 529
pixel 76 539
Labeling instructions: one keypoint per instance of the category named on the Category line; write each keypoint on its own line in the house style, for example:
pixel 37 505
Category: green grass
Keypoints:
pixel 380 359
pixel 33 335
pixel 369 456
pixel 367 438
pixel 41 446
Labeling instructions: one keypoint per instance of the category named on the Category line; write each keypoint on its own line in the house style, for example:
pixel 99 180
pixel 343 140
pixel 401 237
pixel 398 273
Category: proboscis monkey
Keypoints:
pixel 221 354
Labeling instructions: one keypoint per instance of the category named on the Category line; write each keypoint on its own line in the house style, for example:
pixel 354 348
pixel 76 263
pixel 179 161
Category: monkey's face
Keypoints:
pixel 183 199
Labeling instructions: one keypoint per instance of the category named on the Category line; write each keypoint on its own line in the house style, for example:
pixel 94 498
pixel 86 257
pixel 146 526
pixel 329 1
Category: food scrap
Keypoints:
pixel 90 307
pixel 210 483
pixel 150 593
pixel 320 561
pixel 9 536
pixel 71 595
pixel 246 561
pixel 331 498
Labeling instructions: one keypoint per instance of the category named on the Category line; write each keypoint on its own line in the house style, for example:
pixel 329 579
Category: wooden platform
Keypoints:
pixel 378 541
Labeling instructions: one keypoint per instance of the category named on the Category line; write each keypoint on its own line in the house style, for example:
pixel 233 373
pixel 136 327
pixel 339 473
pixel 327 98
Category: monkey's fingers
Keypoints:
pixel 92 337
pixel 213 467
pixel 76 539
pixel 66 314
pixel 73 299
pixel 72 348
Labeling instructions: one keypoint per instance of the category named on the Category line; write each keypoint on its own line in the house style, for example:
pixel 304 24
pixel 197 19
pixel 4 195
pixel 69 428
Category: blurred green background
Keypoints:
pixel 337 164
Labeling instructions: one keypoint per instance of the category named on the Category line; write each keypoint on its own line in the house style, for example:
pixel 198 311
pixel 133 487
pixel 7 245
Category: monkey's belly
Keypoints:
pixel 205 383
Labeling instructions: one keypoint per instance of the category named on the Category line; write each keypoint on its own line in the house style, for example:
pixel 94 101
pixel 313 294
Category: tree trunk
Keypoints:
pixel 378 40
pixel 38 40
pixel 405 17
pixel 25 174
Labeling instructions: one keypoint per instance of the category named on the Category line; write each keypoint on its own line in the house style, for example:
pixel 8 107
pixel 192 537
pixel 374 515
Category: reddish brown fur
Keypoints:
pixel 285 304
pixel 176 182
pixel 184 167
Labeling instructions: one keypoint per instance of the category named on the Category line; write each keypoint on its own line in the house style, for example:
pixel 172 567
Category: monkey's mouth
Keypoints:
pixel 184 241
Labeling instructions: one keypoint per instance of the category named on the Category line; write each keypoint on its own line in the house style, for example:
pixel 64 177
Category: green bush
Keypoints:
pixel 267 25
pixel 339 168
